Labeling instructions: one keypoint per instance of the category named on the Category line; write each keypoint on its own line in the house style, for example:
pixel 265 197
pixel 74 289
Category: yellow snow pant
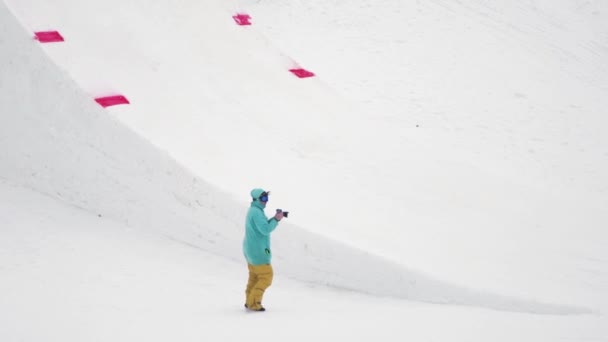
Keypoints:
pixel 260 278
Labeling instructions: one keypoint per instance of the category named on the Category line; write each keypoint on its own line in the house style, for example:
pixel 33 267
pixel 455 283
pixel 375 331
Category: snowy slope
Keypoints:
pixel 471 135
pixel 488 157
pixel 440 198
pixel 68 275
pixel 74 152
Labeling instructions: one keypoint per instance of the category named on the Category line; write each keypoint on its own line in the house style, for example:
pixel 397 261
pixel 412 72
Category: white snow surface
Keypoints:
pixel 446 169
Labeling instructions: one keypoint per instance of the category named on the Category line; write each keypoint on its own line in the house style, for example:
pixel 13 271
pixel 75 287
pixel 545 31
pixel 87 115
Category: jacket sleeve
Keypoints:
pixel 264 225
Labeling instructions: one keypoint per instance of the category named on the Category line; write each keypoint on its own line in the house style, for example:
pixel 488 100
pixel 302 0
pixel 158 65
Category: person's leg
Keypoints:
pixel 253 278
pixel 264 275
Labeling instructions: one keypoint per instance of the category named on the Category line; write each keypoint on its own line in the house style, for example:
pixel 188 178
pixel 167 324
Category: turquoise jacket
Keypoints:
pixel 258 227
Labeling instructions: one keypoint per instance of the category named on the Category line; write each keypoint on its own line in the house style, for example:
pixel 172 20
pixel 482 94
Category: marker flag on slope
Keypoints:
pixel 48 36
pixel 242 19
pixel 301 73
pixel 114 100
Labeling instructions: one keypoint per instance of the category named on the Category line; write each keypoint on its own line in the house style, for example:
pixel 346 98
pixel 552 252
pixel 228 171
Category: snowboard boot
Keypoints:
pixel 256 307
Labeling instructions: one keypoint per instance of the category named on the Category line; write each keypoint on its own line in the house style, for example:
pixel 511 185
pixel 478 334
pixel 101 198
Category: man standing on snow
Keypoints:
pixel 256 248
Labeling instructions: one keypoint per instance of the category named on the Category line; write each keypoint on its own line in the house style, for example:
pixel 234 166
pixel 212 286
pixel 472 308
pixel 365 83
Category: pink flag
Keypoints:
pixel 107 101
pixel 301 73
pixel 242 19
pixel 48 36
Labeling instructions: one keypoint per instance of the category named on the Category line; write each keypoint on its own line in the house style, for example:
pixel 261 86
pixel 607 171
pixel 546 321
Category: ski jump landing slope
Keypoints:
pixel 223 95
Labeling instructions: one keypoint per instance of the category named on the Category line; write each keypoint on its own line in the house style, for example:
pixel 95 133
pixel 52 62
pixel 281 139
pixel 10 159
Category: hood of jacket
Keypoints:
pixel 255 195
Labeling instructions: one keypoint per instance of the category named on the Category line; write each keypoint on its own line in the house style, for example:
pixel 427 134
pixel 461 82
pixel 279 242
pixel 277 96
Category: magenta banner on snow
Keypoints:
pixel 113 100
pixel 48 36
pixel 301 73
pixel 242 19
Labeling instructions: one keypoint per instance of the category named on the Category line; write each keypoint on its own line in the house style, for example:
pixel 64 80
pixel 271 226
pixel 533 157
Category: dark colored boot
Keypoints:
pixel 257 307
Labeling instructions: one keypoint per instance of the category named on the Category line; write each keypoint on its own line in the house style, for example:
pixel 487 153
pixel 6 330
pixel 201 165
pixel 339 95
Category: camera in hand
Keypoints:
pixel 285 213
